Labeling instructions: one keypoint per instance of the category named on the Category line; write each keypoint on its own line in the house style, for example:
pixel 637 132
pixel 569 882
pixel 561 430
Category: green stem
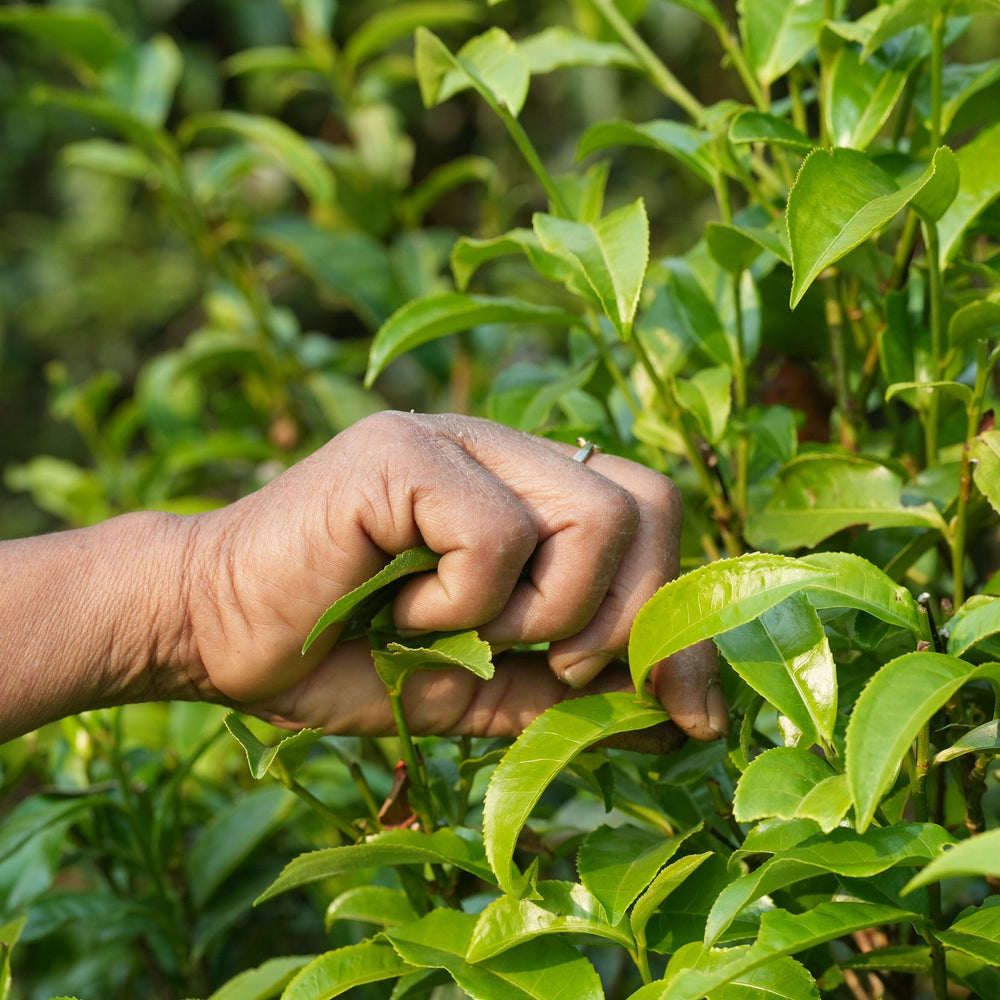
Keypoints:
pixel 641 957
pixel 534 161
pixel 935 294
pixel 735 53
pixel 838 357
pixel 904 251
pixel 321 807
pixel 649 60
pixel 938 24
pixel 414 765
pixel 740 392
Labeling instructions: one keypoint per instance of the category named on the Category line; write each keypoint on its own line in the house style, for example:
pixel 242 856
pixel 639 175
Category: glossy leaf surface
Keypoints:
pixel 776 783
pixel 263 982
pixel 423 320
pixel 667 880
pixel 840 198
pixel 982 739
pixel 819 495
pixel 684 143
pixel 548 744
pixel 618 863
pixel 561 908
pixel 757 126
pixel 373 904
pixel 887 716
pixel 611 253
pixel 709 601
pixel 393 847
pixel 338 971
pixel 860 97
pixel 779 33
pixel 979 855
pixel 977 933
pixel 541 969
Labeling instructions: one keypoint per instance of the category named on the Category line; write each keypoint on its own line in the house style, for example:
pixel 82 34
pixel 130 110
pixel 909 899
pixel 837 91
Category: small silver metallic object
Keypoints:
pixel 584 450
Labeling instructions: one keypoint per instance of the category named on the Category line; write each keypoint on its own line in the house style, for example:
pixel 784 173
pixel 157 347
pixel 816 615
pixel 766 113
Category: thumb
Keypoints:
pixel 690 689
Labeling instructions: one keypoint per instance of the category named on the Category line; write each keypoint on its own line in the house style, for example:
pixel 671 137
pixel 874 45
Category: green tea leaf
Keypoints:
pixel 457 847
pixel 778 33
pixel 144 77
pixel 972 624
pixel 859 584
pixel 546 968
pixel 977 933
pixel 558 47
pixel 841 851
pixel 283 143
pixel 979 185
pixel 612 254
pixel 336 972
pixel 448 651
pixel 666 881
pixel 618 863
pixel 560 908
pixel 491 64
pixel 840 199
pixel 427 319
pixel 757 126
pixel 959 83
pixel 290 753
pixel 87 36
pixel 373 904
pixel 985 450
pixel 419 559
pixel 819 494
pixel 979 855
pixel 709 601
pixel 777 782
pixel 735 248
pixel 982 739
pixel 684 143
pixel 860 97
pixel 545 747
pixel 263 982
pixel 785 656
pixel 231 836
pixel 385 27
pixel 468 255
pixel 781 979
pixel 976 320
pixel 891 710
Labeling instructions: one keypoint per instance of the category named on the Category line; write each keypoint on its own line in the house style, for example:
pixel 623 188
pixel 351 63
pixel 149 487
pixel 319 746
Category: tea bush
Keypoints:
pixel 756 250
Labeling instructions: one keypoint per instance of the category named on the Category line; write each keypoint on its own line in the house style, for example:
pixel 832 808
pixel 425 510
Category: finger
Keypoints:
pixel 689 688
pixel 651 559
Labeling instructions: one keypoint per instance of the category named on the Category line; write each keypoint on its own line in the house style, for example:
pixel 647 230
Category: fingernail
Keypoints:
pixel 581 674
pixel 717 709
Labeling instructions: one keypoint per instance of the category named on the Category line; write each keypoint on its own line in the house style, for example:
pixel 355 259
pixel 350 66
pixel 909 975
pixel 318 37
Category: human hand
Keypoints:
pixel 534 548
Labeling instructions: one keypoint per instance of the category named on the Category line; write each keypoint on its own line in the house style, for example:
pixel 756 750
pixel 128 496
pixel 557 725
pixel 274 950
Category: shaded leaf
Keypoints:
pixel 778 33
pixel 841 198
pixel 979 185
pixel 709 601
pixel 558 908
pixel 427 319
pixel 612 254
pixel 468 255
pixel 820 494
pixel 618 863
pixel 977 933
pixel 976 320
pixel 736 247
pixel 982 739
pixel 338 971
pixel 88 36
pixel 545 747
pixel 542 969
pixel 557 47
pixel 887 716
pixel 758 126
pixel 448 651
pixel 457 847
pixel 668 879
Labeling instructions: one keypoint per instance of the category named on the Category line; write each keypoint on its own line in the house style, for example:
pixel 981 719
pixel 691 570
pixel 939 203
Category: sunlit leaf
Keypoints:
pixel 263 982
pixel 777 782
pixel 335 972
pixel 709 601
pixel 456 847
pixel 667 880
pixel 820 494
pixel 86 35
pixel 979 855
pixel 684 143
pixel 618 863
pixel 841 198
pixel 976 933
pixel 558 908
pixel 427 319
pixel 860 97
pixel 449 651
pixel 757 126
pixel 985 449
pixel 979 185
pixel 546 968
pixel 982 739
pixel 779 33
pixel 891 710
pixel 737 247
pixel 612 253
pixel 289 753
pixel 373 904
pixel 548 744
pixel 558 47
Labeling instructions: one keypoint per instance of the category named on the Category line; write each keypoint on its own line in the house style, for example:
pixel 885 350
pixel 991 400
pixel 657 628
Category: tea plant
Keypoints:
pixel 843 841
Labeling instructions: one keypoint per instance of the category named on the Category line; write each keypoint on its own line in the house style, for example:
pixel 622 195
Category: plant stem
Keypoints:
pixel 534 161
pixel 938 24
pixel 735 53
pixel 740 393
pixel 414 765
pixel 838 357
pixel 330 815
pixel 935 293
pixel 649 60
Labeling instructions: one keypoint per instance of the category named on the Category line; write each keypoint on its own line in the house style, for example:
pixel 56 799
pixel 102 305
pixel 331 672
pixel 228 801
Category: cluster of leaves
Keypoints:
pixel 846 291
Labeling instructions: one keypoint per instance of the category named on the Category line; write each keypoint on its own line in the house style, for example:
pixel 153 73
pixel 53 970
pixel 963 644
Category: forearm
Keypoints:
pixel 91 618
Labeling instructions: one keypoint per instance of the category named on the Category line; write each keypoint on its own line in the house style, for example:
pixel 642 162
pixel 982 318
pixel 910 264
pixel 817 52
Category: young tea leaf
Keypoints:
pixel 979 856
pixel 290 752
pixel 778 33
pixel 263 982
pixel 983 739
pixel 548 744
pixel 685 143
pixel 709 601
pixel 756 126
pixel 666 881
pixel 979 185
pixel 777 782
pixel 977 933
pixel 360 602
pixel 985 449
pixel 372 904
pixel 338 971
pixel 612 254
pixel 972 624
pixel 449 651
pixel 891 710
